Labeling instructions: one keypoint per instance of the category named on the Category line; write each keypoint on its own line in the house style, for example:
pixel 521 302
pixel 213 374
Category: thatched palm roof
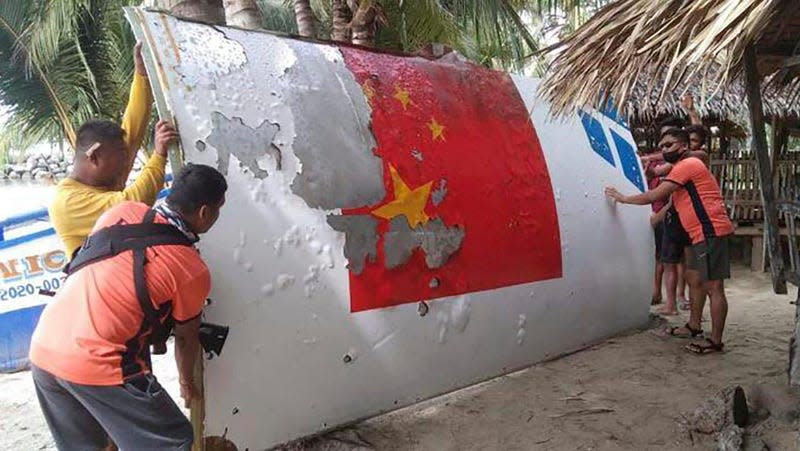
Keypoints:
pixel 658 47
pixel 729 102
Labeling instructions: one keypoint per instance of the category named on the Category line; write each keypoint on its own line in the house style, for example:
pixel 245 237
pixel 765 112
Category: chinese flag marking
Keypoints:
pixel 462 131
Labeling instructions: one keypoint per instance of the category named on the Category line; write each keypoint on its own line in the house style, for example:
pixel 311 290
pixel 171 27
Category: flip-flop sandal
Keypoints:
pixel 693 333
pixel 705 347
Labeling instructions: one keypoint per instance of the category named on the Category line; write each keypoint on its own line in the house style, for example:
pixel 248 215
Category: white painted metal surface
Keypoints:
pixel 298 360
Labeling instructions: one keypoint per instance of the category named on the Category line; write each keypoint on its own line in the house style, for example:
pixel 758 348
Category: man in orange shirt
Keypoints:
pixel 90 351
pixel 698 201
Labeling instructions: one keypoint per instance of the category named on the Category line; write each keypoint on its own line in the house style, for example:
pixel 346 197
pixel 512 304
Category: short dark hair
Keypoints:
pixel 671 122
pixel 196 185
pixel 677 133
pixel 98 131
pixel 699 130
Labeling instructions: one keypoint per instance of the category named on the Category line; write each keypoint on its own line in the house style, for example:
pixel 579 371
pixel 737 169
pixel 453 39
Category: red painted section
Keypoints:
pixel 498 186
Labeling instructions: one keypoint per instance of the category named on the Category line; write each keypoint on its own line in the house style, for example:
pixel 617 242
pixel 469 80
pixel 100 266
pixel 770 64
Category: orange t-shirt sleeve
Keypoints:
pixel 191 296
pixel 683 172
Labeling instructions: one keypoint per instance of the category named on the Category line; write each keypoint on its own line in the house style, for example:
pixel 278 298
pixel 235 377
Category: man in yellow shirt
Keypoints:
pixel 104 153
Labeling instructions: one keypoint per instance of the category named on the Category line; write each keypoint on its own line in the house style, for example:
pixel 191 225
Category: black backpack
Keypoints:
pixel 118 238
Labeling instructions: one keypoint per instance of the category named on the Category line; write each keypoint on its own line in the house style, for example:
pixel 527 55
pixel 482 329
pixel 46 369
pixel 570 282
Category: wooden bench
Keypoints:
pixel 758 249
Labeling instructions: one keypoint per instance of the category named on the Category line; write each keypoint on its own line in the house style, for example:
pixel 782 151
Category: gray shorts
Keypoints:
pixel 138 415
pixel 711 258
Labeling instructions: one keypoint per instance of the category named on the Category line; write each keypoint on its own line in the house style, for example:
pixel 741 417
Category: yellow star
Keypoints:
pixel 369 91
pixel 408 202
pixel 402 95
pixel 437 129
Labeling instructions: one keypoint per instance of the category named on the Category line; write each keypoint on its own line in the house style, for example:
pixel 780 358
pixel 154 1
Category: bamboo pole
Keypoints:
pixel 761 153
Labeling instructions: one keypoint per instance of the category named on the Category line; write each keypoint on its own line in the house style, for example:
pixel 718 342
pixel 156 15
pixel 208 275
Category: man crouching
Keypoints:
pixel 90 352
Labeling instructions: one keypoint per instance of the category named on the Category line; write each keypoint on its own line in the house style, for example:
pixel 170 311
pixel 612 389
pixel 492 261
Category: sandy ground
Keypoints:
pixel 626 393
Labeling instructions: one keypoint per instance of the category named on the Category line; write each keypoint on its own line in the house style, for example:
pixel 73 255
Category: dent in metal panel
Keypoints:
pixel 247 144
pixel 361 238
pixel 333 140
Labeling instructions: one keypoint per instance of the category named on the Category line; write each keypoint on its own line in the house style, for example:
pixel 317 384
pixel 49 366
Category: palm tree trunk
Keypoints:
pixel 243 14
pixel 341 21
pixel 304 15
pixel 364 24
pixel 208 11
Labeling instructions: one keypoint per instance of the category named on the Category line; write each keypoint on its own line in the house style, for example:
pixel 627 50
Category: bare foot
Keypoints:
pixel 666 311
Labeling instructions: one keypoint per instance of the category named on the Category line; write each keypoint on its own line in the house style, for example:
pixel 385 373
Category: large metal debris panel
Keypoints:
pixel 396 227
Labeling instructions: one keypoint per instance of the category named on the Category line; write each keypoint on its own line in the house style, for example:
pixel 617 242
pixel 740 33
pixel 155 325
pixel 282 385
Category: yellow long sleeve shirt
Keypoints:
pixel 77 206
pixel 137 114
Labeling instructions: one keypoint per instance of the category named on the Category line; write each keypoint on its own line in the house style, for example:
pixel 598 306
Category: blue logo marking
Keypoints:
pixel 597 137
pixel 596 134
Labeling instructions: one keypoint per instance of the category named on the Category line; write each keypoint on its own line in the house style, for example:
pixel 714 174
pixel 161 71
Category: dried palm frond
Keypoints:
pixel 656 48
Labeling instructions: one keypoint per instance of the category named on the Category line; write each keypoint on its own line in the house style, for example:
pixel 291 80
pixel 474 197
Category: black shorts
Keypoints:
pixel 658 233
pixel 674 240
pixel 711 257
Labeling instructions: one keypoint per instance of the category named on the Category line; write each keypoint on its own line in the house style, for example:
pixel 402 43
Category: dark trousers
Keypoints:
pixel 138 415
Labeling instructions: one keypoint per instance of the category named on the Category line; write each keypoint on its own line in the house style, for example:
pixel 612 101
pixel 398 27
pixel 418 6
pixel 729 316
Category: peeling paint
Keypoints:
pixel 206 53
pixel 439 193
pixel 361 242
pixel 247 144
pixel 437 240
pixel 416 153
pixel 327 256
pixel 292 236
pixel 399 242
pixel 333 140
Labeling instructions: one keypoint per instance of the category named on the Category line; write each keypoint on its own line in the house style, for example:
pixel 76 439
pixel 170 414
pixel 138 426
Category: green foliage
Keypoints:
pixel 65 61
pixel 61 62
pixel 503 34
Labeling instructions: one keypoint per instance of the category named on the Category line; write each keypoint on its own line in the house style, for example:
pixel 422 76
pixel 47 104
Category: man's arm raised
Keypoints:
pixel 137 112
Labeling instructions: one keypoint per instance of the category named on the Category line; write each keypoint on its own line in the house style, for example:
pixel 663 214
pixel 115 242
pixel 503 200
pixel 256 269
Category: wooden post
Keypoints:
pixel 794 352
pixel 198 406
pixel 760 150
pixel 757 261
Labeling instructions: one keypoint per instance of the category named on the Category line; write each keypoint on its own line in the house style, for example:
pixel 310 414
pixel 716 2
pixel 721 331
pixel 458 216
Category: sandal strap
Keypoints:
pixel 698 348
pixel 693 331
pixel 715 346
